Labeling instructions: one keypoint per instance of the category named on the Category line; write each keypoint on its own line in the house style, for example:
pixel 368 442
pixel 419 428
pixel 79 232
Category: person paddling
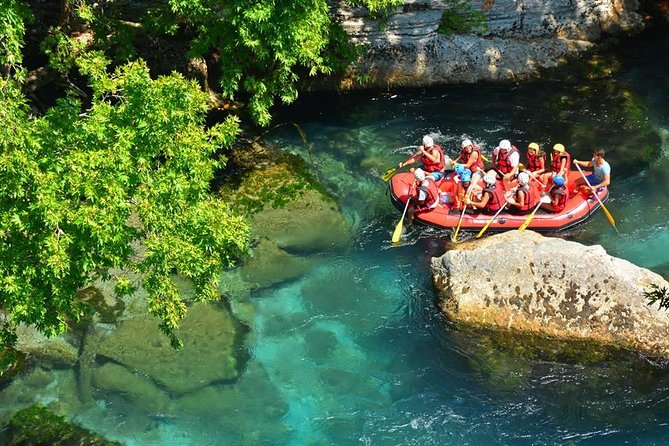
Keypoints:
pixel 535 160
pixel 492 198
pixel 431 156
pixel 471 157
pixel 523 198
pixel 600 176
pixel 426 195
pixel 560 164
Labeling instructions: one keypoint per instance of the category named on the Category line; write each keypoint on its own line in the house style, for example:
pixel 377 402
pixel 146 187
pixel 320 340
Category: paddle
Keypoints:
pixel 390 172
pixel 483 229
pixel 397 233
pixel 606 211
pixel 454 237
pixel 544 199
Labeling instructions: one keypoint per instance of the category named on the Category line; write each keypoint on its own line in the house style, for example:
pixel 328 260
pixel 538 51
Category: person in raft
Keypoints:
pixel 492 197
pixel 471 157
pixel 558 195
pixel 431 156
pixel 425 196
pixel 600 176
pixel 505 159
pixel 523 199
pixel 535 160
pixel 560 164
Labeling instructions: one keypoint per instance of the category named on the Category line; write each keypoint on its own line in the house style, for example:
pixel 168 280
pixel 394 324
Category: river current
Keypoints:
pixel 356 352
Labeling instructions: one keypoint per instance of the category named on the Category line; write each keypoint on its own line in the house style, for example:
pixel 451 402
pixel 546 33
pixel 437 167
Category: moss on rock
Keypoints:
pixel 37 426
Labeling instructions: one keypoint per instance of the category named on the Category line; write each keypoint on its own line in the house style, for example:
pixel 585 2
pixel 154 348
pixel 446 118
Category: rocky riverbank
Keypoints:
pixel 407 48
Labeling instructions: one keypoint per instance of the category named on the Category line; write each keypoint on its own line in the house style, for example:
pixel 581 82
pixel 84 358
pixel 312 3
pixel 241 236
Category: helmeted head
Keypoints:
pixel 505 144
pixel 490 178
pixel 419 174
pixel 558 148
pixel 467 143
pixel 428 141
pixel 558 180
pixel 533 146
pixel 523 178
pixel 449 164
pixel 459 168
pixel 466 176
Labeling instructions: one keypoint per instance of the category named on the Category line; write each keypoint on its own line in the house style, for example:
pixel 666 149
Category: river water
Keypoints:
pixel 355 351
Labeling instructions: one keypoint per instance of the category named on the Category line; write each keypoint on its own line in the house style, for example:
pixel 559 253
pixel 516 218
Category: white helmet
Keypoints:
pixel 428 141
pixel 523 178
pixel 448 163
pixel 466 143
pixel 419 174
pixel 490 178
pixel 505 144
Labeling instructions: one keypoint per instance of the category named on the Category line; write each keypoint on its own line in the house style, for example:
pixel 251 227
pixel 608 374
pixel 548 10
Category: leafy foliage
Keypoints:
pixel 659 295
pixel 13 14
pixel 460 18
pixel 124 182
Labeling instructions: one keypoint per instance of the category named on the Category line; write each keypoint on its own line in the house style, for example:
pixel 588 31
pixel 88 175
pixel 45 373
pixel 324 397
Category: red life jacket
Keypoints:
pixel 530 199
pixel 430 166
pixel 464 158
pixel 432 198
pixel 557 161
pixel 562 195
pixel 534 161
pixel 496 199
pixel 503 163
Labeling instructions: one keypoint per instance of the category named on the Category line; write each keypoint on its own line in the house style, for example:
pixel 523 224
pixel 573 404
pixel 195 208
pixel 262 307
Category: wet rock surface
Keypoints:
pixel 526 283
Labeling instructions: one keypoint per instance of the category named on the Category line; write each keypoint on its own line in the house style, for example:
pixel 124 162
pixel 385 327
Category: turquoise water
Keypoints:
pixel 355 351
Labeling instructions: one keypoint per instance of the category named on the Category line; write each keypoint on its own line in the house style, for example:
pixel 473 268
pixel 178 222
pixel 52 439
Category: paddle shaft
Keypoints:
pixel 606 211
pixel 397 233
pixel 529 218
pixel 490 221
pixel 457 229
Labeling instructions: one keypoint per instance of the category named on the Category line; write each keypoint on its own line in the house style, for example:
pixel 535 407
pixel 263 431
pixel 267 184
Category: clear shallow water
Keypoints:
pixel 355 352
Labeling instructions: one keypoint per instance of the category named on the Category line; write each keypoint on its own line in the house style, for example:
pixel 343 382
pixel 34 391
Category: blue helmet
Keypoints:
pixel 459 168
pixel 558 180
pixel 466 176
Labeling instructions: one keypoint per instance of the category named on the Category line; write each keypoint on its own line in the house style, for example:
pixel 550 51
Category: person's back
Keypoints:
pixel 558 195
pixel 524 198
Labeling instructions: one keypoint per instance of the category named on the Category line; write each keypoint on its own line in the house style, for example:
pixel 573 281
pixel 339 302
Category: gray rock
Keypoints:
pixel 527 283
pixel 209 353
pixel 52 351
pixel 406 49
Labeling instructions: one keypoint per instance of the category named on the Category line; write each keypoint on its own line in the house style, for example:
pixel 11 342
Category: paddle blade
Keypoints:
pixel 397 234
pixel 527 221
pixel 389 173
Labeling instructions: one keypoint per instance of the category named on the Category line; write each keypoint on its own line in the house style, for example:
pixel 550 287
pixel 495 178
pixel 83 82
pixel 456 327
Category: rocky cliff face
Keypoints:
pixel 526 283
pixel 522 36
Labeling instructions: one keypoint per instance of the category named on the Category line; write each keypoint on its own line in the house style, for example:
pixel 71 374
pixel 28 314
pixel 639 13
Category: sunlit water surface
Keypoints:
pixel 355 352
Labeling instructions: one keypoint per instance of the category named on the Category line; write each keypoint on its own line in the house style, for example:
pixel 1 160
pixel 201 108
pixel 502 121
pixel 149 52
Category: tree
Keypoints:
pixel 84 185
pixel 81 188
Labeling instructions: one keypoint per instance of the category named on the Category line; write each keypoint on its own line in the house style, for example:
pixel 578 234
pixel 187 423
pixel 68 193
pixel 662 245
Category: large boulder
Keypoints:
pixel 210 337
pixel 527 283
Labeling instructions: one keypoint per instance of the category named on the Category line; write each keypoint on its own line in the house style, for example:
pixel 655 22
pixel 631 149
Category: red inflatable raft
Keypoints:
pixel 577 209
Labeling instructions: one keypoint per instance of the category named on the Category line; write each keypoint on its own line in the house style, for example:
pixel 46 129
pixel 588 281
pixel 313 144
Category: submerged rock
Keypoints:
pixel 310 223
pixel 268 264
pixel 526 283
pixel 139 390
pixel 36 425
pixel 209 353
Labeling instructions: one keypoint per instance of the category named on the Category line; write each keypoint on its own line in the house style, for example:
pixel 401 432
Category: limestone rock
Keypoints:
pixel 524 282
pixel 54 351
pixel 208 355
pixel 312 222
pixel 406 49
pixel 268 265
pixel 139 390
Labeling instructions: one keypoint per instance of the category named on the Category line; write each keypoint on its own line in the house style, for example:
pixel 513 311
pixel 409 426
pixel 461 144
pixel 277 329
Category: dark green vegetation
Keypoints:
pixel 37 426
pixel 105 165
pixel 461 18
